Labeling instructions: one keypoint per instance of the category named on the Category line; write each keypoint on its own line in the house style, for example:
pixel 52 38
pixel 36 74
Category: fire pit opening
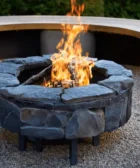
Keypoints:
pixel 28 73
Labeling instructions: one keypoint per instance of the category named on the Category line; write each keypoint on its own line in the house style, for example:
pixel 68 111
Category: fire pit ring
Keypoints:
pixel 56 113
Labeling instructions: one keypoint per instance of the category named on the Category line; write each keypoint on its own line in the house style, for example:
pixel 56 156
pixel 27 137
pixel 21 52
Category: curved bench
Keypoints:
pixel 111 25
pixel 108 38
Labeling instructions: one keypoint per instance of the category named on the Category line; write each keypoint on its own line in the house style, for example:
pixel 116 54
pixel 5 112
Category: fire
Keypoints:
pixel 69 67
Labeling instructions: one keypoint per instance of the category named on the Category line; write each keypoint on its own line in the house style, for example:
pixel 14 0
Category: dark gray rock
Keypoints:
pixel 123 115
pixel 85 123
pixel 116 115
pixel 30 104
pixel 109 68
pixel 9 68
pixel 27 60
pixel 32 93
pixel 42 132
pixel 28 63
pixel 43 117
pixel 8 80
pixel 86 93
pixel 118 83
pixel 48 56
pixel 53 121
pixel 129 105
pixel 59 119
pixel 9 116
pixel 63 117
pixel 33 116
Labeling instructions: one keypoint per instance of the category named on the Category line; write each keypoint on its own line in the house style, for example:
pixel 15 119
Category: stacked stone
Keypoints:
pixel 53 113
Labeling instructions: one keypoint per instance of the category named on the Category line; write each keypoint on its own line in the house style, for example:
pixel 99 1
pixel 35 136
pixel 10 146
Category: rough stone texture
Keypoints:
pixel 44 117
pixel 86 93
pixel 129 105
pixel 95 103
pixel 85 123
pixel 17 65
pixel 109 68
pixel 118 83
pixel 53 121
pixel 116 114
pixel 32 93
pixel 62 117
pixel 27 60
pixel 42 132
pixel 124 112
pixel 8 80
pixel 11 68
pixel 58 119
pixel 35 117
pixel 9 116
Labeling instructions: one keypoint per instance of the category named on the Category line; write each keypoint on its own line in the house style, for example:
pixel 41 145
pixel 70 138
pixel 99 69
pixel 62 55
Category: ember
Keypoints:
pixel 69 67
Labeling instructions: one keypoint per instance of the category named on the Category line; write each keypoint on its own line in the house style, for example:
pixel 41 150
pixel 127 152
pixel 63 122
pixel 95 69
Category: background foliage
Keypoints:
pixel 110 8
pixel 122 8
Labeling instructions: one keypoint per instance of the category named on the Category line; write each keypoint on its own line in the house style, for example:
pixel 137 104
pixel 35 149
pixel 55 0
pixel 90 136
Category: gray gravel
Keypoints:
pixel 118 149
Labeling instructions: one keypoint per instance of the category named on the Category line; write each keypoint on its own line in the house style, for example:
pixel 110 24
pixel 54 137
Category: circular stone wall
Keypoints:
pixel 55 113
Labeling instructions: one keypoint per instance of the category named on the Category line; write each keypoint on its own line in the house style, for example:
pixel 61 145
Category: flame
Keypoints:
pixel 69 67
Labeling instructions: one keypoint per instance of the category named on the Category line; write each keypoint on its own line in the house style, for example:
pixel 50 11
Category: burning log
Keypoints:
pixel 38 76
pixel 67 84
pixel 71 68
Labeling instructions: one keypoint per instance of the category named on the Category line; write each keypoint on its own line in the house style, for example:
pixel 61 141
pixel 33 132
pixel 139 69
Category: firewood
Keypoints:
pixel 67 84
pixel 38 76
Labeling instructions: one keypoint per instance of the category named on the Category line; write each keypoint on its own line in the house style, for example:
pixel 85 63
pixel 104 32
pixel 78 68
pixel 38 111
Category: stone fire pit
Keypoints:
pixel 39 112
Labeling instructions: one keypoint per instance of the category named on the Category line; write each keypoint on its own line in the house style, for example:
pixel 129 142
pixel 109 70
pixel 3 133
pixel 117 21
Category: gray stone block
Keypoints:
pixel 85 123
pixel 63 117
pixel 9 116
pixel 109 68
pixel 44 117
pixel 42 132
pixel 33 93
pixel 116 115
pixel 33 116
pixel 33 59
pixel 8 80
pixel 118 83
pixel 86 93
pixel 9 68
pixel 129 105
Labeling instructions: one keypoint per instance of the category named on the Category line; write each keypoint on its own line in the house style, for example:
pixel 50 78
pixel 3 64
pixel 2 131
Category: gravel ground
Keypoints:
pixel 118 149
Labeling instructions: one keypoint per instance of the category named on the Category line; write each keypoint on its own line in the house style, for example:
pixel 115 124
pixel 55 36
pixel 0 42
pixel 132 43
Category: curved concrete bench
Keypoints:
pixel 112 25
pixel 108 38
